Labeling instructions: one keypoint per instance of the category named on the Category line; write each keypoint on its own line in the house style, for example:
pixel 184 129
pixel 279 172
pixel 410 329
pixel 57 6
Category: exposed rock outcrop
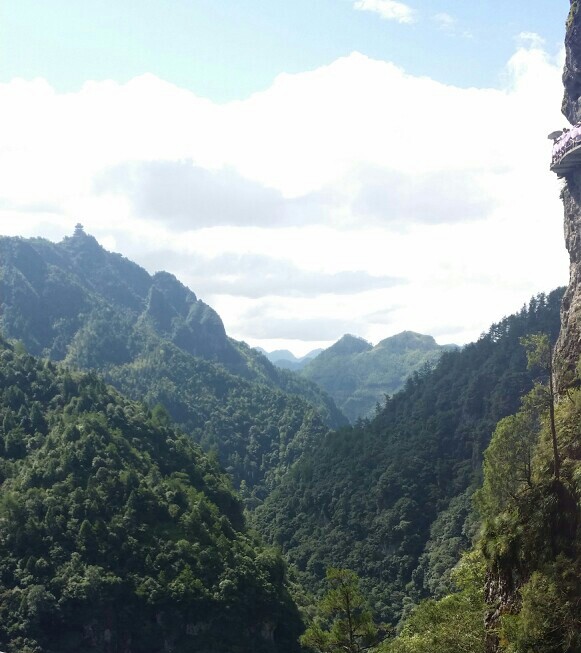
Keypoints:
pixel 568 348
pixel 572 70
pixel 502 585
pixel 501 594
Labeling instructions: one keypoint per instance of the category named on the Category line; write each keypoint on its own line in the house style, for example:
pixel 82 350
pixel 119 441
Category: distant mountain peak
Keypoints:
pixel 358 375
pixel 350 344
pixel 407 340
pixel 282 354
pixel 287 360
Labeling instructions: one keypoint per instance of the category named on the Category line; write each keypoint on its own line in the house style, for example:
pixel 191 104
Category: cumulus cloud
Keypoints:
pixel 390 197
pixel 383 316
pixel 387 9
pixel 256 276
pixel 369 175
pixel 186 197
pixel 168 155
pixel 531 39
pixel 259 276
pixel 315 329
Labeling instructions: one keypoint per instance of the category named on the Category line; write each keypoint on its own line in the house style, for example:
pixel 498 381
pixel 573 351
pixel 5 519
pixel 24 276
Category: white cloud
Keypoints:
pixel 445 21
pixel 258 275
pixel 355 169
pixel 531 39
pixel 387 9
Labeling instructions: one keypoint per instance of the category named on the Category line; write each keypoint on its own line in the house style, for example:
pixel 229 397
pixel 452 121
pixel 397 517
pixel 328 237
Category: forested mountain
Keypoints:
pixel 152 338
pixel 287 360
pixel 118 533
pixel 518 590
pixel 105 505
pixel 390 498
pixel 358 375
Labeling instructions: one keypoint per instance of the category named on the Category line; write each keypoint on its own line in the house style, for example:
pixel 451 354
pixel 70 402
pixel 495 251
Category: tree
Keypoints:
pixel 344 623
pixel 454 624
pixel 508 462
pixel 540 357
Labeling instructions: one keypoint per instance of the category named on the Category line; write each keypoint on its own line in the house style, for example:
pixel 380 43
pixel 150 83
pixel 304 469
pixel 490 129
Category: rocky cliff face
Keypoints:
pixel 572 71
pixel 502 584
pixel 568 349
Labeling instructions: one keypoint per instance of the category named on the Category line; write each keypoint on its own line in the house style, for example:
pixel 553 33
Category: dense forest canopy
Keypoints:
pixel 358 375
pixel 390 497
pixel 156 341
pixel 118 533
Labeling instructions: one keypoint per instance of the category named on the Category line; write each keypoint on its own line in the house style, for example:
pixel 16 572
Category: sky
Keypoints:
pixel 307 168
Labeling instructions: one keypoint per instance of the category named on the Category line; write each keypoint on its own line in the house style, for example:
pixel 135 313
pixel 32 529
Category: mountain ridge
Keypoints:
pixel 359 375
pixel 118 532
pixel 390 496
pixel 153 338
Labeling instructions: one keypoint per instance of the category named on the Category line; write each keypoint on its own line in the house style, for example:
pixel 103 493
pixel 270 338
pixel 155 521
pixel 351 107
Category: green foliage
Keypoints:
pixel 538 350
pixel 454 624
pixel 376 498
pixel 549 619
pixel 116 528
pixel 359 376
pixel 540 357
pixel 531 542
pixel 155 341
pixel 344 621
pixel 572 13
pixel 508 462
pixel 257 431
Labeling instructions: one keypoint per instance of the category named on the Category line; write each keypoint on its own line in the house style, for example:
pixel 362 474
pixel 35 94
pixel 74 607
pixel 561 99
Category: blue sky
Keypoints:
pixel 308 168
pixel 227 49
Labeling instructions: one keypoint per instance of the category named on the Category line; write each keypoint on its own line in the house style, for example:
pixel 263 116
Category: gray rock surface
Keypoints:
pixel 568 348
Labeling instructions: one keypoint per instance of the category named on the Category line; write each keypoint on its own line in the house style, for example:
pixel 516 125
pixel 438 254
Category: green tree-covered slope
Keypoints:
pixel 389 498
pixel 257 431
pixel 358 375
pixel 118 533
pixel 519 589
pixel 153 339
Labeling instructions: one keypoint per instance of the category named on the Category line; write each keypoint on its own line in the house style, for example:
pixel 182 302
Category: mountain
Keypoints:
pixel 156 341
pixel 358 376
pixel 287 360
pixel 390 497
pixel 118 533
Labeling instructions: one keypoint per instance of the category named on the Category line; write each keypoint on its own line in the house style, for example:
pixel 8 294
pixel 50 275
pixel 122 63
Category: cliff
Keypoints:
pixel 568 348
pixel 542 527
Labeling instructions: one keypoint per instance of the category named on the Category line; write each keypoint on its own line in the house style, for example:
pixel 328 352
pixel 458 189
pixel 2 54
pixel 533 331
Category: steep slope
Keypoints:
pixel 390 498
pixel 50 291
pixel 358 376
pixel 531 539
pixel 154 339
pixel 118 533
pixel 257 431
pixel 568 346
